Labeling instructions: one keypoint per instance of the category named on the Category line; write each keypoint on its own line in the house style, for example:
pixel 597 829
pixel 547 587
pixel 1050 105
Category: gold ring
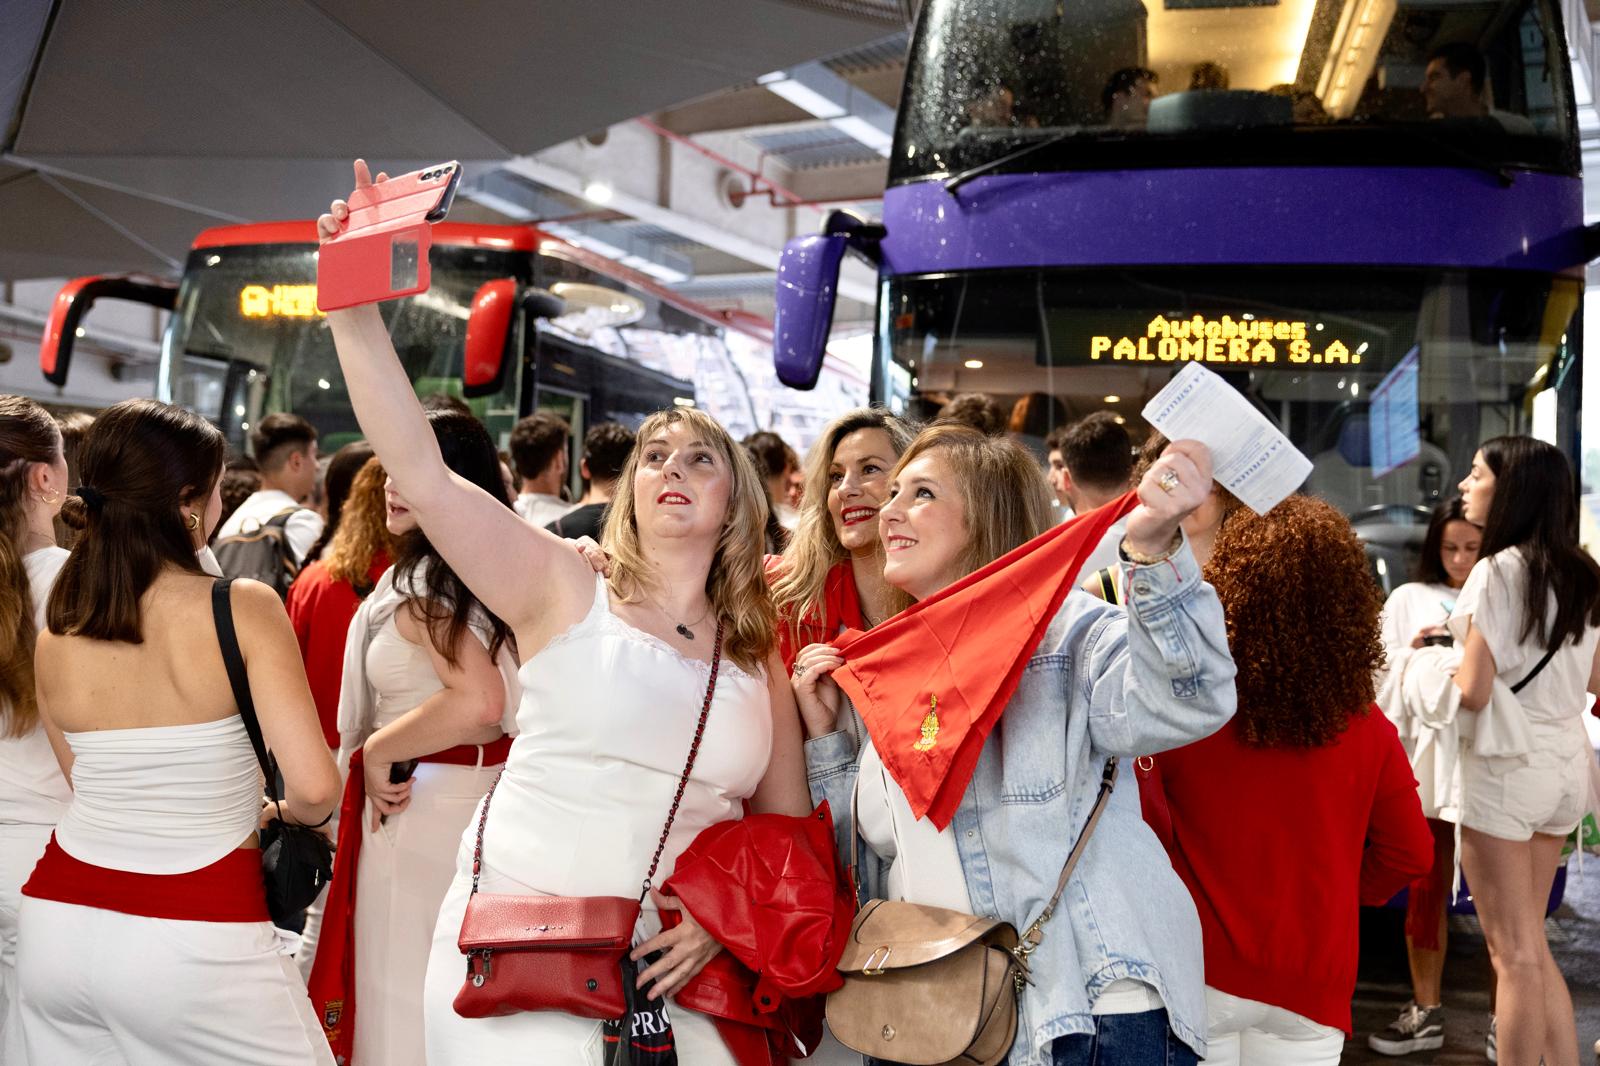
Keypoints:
pixel 1168 482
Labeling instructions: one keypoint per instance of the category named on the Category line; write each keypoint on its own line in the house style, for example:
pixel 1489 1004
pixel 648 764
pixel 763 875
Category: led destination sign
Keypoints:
pixel 279 301
pixel 1250 341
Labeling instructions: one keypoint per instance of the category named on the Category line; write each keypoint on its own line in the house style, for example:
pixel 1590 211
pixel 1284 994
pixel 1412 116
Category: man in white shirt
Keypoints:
pixel 1091 464
pixel 285 448
pixel 539 445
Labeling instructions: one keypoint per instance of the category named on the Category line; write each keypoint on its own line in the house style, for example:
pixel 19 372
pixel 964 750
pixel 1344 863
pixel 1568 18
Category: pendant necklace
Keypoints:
pixel 683 630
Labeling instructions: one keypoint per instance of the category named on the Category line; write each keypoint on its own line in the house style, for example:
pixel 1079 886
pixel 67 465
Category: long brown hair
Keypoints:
pixel 1004 494
pixel 445 604
pixel 1302 612
pixel 362 532
pixel 28 435
pixel 815 549
pixel 141 459
pixel 736 583
pixel 1535 508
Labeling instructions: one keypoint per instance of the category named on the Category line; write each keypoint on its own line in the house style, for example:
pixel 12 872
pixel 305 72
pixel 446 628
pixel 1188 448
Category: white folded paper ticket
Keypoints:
pixel 1250 457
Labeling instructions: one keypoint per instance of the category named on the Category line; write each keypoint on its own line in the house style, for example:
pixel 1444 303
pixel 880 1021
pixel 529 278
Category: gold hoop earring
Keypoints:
pixel 194 522
pixel 50 500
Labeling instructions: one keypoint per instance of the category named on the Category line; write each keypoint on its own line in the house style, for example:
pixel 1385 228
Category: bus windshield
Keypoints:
pixel 1129 83
pixel 248 339
pixel 1385 378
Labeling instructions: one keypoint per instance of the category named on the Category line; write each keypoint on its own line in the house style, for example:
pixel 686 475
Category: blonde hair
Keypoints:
pixel 363 531
pixel 1004 494
pixel 736 583
pixel 814 549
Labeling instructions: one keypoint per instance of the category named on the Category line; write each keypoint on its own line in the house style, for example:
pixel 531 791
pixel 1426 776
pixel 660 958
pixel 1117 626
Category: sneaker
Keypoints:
pixel 1489 1043
pixel 1416 1029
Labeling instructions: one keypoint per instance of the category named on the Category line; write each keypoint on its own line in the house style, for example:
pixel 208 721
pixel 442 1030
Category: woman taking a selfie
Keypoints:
pixel 153 880
pixel 1119 968
pixel 616 676
pixel 1528 616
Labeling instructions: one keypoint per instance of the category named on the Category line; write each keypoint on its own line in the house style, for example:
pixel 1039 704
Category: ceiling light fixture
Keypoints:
pixel 973 364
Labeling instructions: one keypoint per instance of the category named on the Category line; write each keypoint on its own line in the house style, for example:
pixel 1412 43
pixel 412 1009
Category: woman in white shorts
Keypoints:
pixel 1529 614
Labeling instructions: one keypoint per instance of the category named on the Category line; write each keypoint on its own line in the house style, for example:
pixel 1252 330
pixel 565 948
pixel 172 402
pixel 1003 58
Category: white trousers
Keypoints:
pixel 406 867
pixel 100 988
pixel 20 848
pixel 523 1039
pixel 1244 1032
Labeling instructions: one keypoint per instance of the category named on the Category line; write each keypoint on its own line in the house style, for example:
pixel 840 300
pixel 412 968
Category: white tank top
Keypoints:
pixel 606 718
pixel 161 799
pixel 400 672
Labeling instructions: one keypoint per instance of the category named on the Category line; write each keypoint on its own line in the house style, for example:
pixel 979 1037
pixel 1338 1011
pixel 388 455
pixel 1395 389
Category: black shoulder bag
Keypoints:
pixel 296 860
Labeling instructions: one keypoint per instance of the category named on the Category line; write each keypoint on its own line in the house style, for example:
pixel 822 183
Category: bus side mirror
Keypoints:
pixel 808 285
pixel 808 282
pixel 486 359
pixel 74 301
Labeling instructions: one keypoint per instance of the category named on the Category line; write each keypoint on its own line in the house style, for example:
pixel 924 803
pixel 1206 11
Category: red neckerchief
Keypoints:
pixel 841 609
pixel 931 682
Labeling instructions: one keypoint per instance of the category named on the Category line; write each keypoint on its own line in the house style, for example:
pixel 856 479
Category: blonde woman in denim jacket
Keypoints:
pixel 1118 979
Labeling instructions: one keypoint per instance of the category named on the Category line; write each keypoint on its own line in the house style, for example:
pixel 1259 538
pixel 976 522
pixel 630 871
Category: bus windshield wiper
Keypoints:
pixel 955 181
pixel 1473 159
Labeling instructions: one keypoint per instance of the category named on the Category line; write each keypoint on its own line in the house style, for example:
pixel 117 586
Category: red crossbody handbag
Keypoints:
pixel 560 953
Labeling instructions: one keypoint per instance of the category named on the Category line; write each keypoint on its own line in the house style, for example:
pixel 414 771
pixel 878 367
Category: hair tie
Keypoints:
pixel 92 497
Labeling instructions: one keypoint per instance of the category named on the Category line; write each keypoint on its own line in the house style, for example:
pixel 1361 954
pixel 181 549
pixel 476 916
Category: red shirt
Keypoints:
pixel 320 609
pixel 1281 846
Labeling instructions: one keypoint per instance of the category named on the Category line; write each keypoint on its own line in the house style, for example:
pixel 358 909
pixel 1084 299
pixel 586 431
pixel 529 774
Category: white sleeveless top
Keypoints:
pixel 161 799
pixel 607 715
pixel 32 789
pixel 401 674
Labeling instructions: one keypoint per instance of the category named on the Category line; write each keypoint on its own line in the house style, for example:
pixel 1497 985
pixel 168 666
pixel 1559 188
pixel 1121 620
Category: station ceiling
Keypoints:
pixel 127 127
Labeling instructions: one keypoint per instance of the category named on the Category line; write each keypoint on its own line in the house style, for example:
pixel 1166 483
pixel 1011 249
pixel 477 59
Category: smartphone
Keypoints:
pixel 400 772
pixel 382 252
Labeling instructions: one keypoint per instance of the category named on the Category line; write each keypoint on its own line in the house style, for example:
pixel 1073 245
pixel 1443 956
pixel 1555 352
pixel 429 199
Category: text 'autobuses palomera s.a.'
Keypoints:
pixel 1366 214
pixel 516 320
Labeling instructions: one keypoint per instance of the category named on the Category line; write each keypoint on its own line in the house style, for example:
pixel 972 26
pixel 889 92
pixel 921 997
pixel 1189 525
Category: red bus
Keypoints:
pixel 516 321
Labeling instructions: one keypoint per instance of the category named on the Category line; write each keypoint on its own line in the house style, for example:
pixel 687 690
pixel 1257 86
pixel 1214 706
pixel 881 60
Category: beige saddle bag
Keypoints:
pixel 928 986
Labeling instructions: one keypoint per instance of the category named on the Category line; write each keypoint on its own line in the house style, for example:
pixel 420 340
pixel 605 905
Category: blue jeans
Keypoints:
pixel 1118 1040
pixel 1142 1039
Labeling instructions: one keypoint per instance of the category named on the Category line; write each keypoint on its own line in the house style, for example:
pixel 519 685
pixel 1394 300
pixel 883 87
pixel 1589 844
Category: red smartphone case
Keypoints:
pixel 382 252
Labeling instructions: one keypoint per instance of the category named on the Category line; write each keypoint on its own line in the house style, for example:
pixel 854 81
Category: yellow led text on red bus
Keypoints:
pixel 1223 340
pixel 278 301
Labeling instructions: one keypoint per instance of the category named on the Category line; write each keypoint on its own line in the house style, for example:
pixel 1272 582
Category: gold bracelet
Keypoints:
pixel 1140 559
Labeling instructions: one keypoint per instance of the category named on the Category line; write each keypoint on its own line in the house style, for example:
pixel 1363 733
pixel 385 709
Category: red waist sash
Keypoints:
pixel 229 890
pixel 332 984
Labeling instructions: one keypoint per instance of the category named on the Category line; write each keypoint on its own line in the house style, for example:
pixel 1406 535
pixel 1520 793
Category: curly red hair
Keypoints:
pixel 1302 614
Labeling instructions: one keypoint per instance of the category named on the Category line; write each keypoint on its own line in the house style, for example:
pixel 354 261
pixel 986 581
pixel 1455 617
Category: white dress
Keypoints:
pixel 33 797
pixel 406 866
pixel 605 722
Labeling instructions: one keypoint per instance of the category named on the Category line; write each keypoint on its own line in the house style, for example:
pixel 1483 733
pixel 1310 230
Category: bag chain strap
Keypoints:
pixel 677 797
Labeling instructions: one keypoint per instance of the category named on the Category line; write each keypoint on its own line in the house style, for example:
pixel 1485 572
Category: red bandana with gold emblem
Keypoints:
pixel 931 682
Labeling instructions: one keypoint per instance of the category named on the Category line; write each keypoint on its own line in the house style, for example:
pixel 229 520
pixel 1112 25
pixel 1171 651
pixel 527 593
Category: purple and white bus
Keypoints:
pixel 1366 214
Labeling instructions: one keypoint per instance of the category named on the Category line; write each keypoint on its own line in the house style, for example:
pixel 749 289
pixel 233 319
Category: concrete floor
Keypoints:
pixel 1384 984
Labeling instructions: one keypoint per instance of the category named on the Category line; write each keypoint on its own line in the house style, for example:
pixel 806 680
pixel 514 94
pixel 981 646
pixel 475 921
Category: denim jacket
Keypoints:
pixel 1102 682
